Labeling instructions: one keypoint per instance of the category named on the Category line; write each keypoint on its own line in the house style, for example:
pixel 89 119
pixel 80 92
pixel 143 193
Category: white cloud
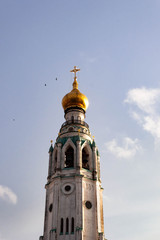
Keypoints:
pixel 147 113
pixel 128 149
pixel 145 99
pixel 7 195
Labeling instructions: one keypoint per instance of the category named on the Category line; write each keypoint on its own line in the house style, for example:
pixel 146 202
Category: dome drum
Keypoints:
pixel 79 109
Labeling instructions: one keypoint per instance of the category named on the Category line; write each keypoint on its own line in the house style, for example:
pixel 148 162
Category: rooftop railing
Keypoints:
pixel 76 122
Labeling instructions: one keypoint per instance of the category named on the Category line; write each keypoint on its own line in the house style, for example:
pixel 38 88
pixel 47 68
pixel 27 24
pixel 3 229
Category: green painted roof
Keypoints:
pixel 74 140
pixel 51 149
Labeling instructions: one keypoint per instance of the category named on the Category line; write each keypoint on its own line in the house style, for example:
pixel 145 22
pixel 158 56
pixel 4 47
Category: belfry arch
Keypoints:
pixel 87 156
pixel 68 155
pixel 85 159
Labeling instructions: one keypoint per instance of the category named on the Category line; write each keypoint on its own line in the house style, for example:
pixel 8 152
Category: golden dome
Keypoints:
pixel 75 98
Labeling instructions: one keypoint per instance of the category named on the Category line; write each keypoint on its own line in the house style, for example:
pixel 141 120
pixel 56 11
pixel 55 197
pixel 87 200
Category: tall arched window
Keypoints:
pixel 72 118
pixel 61 227
pixel 72 225
pixel 67 225
pixel 85 159
pixel 69 158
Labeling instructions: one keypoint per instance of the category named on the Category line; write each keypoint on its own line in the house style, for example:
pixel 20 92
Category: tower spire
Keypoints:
pixel 75 83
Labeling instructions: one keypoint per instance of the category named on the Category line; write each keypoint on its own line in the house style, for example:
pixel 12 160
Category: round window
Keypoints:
pixel 67 188
pixel 88 204
pixel 50 207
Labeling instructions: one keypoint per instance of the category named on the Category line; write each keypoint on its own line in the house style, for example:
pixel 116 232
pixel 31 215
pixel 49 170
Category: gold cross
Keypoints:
pixel 74 71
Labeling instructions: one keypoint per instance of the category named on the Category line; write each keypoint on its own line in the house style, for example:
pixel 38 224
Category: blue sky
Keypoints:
pixel 116 46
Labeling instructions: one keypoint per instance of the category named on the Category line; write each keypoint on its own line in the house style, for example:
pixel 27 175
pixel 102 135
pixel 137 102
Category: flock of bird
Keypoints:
pixel 46 84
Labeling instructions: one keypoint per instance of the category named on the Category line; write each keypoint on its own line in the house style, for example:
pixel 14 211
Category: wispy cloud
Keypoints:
pixel 146 112
pixel 127 150
pixel 7 195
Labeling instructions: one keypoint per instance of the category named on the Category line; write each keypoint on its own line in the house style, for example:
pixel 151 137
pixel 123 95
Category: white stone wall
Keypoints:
pixel 87 222
pixel 89 215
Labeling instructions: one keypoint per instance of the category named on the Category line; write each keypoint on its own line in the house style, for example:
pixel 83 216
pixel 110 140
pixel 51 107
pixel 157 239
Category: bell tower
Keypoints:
pixel 74 204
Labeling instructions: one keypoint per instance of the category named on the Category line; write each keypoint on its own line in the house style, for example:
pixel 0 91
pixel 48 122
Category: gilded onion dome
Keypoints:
pixel 75 98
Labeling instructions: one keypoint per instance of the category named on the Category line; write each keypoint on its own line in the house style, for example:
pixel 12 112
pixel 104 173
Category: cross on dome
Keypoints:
pixel 75 70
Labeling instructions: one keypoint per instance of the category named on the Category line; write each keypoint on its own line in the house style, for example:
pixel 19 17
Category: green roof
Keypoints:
pixel 51 149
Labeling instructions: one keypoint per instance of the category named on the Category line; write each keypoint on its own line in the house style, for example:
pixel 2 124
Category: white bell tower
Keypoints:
pixel 74 204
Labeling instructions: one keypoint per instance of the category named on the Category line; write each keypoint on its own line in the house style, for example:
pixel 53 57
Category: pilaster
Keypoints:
pixel 95 162
pixel 59 145
pixel 79 155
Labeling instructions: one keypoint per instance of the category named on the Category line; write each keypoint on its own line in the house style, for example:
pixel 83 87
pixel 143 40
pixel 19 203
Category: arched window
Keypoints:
pixel 67 225
pixel 69 158
pixel 72 118
pixel 72 225
pixel 61 227
pixel 71 129
pixel 85 159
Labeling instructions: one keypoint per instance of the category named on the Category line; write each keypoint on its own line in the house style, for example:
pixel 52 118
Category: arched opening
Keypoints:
pixel 72 119
pixel 71 129
pixel 67 226
pixel 61 227
pixel 69 158
pixel 72 225
pixel 85 159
